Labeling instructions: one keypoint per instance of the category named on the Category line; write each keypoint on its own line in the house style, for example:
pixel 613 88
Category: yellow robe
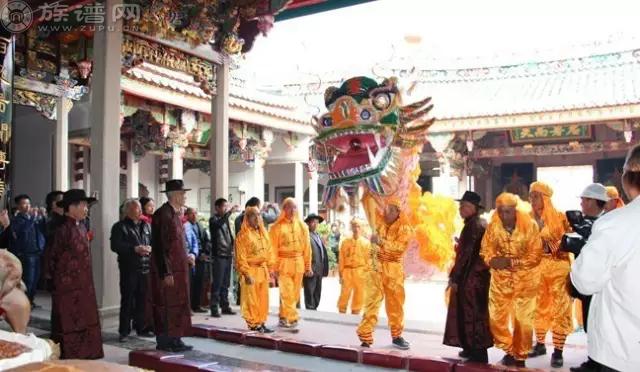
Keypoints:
pixel 254 259
pixel 512 293
pixel 352 265
pixel 553 310
pixel 292 257
pixel 387 281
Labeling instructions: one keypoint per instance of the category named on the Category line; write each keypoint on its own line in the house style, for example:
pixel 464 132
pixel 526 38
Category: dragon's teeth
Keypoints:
pixel 377 139
pixel 370 154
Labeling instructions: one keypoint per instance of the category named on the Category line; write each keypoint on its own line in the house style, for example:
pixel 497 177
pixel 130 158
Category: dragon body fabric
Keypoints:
pixel 372 144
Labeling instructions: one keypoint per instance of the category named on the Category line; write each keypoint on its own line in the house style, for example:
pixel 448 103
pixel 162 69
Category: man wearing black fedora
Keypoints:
pixel 75 323
pixel 319 264
pixel 467 323
pixel 170 271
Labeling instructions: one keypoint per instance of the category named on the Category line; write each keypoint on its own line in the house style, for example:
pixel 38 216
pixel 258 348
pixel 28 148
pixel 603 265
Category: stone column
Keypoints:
pixel 61 145
pixel 299 186
pixel 133 177
pixel 86 174
pixel 219 145
pixel 176 164
pixel 313 192
pixel 105 160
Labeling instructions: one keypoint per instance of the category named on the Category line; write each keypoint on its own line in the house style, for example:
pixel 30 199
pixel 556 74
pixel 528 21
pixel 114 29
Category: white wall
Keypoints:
pixel 195 180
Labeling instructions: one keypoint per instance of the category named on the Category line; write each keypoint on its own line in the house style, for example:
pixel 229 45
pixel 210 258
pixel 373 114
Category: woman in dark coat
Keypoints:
pixel 74 313
pixel 468 314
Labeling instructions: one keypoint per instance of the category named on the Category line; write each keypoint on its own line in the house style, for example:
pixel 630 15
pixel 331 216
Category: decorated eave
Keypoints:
pixel 592 89
pixel 181 89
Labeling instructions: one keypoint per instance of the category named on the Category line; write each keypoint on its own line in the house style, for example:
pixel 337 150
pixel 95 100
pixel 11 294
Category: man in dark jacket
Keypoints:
pixel 468 315
pixel 222 256
pixel 26 241
pixel 131 240
pixel 319 265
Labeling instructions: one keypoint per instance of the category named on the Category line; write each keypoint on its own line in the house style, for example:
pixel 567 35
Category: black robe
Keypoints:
pixel 468 314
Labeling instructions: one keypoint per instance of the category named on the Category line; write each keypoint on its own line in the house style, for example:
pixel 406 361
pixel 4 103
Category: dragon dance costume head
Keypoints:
pixel 362 133
pixel 372 144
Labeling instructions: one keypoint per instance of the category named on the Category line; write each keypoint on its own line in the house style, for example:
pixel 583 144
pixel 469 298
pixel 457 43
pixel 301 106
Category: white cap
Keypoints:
pixel 595 191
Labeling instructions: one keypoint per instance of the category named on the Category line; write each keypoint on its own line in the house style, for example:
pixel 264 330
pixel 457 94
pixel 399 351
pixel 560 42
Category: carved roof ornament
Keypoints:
pixel 229 26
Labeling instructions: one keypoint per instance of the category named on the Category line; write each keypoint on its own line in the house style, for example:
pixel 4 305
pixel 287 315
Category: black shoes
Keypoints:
pixel 557 361
pixel 215 313
pixel 464 354
pixel 264 329
pixel 146 334
pixel 122 338
pixel 364 344
pixel 538 350
pixel 199 310
pixel 228 311
pixel 510 361
pixel 401 343
pixel 588 366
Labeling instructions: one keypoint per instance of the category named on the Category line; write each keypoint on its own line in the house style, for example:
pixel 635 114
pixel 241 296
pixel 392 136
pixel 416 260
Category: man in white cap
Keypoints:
pixel 594 198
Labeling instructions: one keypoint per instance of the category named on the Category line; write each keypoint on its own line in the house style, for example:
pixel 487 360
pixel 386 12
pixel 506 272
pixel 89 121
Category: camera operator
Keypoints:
pixel 594 198
pixel 608 270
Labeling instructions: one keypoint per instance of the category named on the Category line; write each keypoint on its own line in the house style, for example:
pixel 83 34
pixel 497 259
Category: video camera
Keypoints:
pixel 574 241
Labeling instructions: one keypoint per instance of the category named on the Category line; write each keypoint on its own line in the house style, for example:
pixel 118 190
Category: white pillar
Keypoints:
pixel 176 164
pixel 299 186
pixel 61 144
pixel 258 179
pixel 86 175
pixel 313 192
pixel 105 160
pixel 219 145
pixel 133 177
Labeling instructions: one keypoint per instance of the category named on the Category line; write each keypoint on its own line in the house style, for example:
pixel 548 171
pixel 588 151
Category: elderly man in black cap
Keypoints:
pixel 170 271
pixel 468 315
pixel 319 264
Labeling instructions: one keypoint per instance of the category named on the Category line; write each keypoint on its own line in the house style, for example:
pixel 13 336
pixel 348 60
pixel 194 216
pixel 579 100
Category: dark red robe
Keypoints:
pixel 171 306
pixel 468 314
pixel 75 323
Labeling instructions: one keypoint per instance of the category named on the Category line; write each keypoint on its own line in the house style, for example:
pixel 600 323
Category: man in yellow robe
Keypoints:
pixel 254 262
pixel 352 265
pixel 387 278
pixel 512 248
pixel 292 251
pixel 553 304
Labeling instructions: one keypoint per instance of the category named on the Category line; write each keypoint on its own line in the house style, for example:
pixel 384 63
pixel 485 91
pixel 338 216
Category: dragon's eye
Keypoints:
pixel 365 114
pixel 382 101
pixel 326 121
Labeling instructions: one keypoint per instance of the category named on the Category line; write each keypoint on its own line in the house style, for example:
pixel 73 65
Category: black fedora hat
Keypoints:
pixel 174 185
pixel 473 198
pixel 314 216
pixel 75 196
